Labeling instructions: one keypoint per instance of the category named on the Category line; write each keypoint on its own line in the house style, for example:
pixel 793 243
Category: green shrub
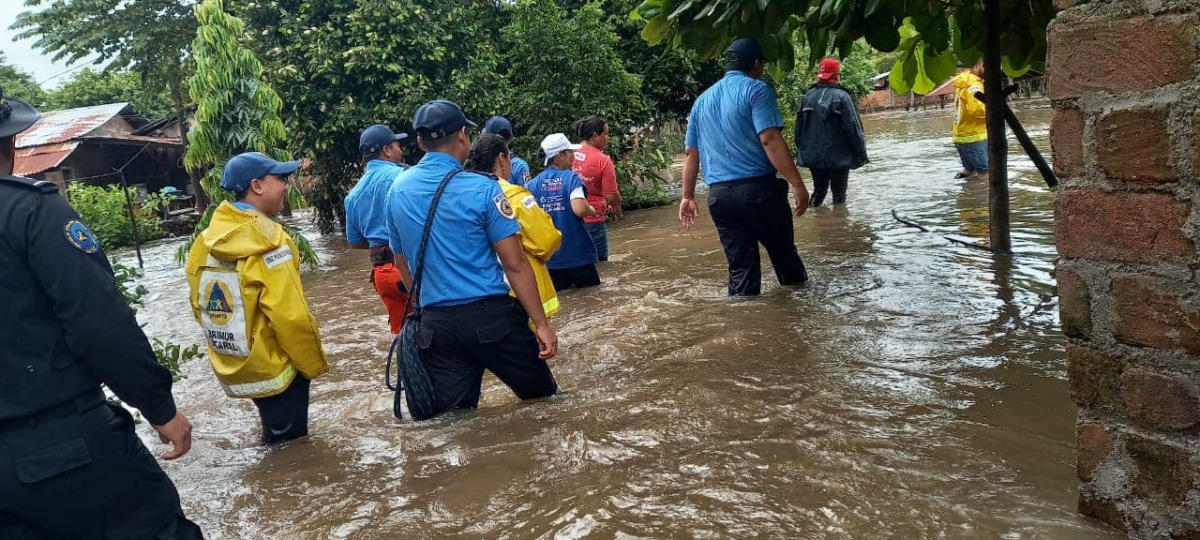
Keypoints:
pixel 104 210
pixel 644 168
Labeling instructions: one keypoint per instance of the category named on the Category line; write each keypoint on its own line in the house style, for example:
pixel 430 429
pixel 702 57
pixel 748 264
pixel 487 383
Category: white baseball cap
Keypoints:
pixel 556 143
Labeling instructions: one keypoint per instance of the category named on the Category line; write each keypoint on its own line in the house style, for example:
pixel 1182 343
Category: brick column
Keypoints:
pixel 1125 83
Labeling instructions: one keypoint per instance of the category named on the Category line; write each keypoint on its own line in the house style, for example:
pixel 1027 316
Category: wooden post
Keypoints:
pixel 993 87
pixel 137 244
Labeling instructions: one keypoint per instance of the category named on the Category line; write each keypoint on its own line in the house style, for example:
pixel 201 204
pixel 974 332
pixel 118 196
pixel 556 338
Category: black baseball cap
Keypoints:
pixel 15 115
pixel 439 118
pixel 744 50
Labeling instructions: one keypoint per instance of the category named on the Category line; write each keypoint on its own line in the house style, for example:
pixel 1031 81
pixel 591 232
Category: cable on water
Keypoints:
pixel 973 245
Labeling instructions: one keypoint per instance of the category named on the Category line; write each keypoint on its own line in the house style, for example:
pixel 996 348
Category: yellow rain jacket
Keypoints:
pixel 244 276
pixel 969 114
pixel 539 238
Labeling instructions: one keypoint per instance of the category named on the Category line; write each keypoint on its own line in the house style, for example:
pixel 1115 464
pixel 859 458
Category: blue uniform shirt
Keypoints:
pixel 553 190
pixel 366 204
pixel 461 265
pixel 725 123
pixel 520 172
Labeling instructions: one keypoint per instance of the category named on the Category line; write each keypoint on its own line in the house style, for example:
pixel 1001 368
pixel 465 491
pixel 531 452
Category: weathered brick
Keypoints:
pixel 1096 56
pixel 1102 510
pixel 1126 227
pixel 1149 316
pixel 1074 305
pixel 1066 141
pixel 1093 444
pixel 1133 145
pixel 1161 472
pixel 1159 401
pixel 1094 377
pixel 1196 146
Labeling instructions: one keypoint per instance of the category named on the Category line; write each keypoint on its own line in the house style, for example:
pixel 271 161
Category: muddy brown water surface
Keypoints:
pixel 914 389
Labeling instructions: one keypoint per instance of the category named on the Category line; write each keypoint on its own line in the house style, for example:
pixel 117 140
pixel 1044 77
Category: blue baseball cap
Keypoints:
pixel 744 50
pixel 439 118
pixel 243 168
pixel 374 138
pixel 499 125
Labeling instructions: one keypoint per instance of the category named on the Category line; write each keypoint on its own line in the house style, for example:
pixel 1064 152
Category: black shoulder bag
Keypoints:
pixel 412 379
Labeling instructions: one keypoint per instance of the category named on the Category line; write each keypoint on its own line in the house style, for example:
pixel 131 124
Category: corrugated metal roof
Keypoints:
pixel 31 161
pixel 945 89
pixel 166 141
pixel 62 126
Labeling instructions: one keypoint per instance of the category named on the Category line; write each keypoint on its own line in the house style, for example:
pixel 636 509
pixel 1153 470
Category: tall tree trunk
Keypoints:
pixel 993 90
pixel 176 84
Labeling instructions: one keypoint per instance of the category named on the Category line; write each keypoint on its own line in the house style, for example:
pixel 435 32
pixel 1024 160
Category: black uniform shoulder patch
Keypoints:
pixel 29 183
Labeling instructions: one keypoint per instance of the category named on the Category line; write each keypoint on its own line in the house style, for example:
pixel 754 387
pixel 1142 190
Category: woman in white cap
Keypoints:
pixel 560 192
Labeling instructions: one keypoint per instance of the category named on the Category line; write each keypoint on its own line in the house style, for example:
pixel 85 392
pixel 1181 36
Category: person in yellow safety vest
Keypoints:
pixel 490 155
pixel 244 277
pixel 970 127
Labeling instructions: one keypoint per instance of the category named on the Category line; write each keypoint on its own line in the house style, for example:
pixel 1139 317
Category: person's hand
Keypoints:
pixel 547 342
pixel 688 212
pixel 178 432
pixel 801 198
pixel 618 213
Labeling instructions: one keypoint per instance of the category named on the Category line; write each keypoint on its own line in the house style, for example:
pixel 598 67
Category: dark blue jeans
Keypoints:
pixel 974 156
pixel 599 232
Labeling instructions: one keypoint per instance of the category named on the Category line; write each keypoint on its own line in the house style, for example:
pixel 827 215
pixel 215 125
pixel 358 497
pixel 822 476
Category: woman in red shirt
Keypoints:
pixel 599 179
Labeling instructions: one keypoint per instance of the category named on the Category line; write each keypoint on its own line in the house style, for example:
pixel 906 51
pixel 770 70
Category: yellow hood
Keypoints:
pixel 236 234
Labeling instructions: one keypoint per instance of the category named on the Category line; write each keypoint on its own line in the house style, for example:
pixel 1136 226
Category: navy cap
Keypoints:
pixel 500 126
pixel 439 118
pixel 374 138
pixel 243 168
pixel 744 50
pixel 15 115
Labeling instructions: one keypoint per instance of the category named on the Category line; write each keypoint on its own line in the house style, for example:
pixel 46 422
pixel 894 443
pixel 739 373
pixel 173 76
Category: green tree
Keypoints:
pixel 564 67
pixel 930 35
pixel 21 85
pixel 342 65
pixel 149 37
pixel 236 111
pixel 88 88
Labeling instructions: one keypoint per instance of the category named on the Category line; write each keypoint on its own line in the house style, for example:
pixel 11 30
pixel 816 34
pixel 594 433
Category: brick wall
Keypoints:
pixel 1125 82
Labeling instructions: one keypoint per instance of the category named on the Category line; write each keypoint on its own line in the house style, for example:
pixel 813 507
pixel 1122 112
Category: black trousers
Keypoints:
pixel 823 179
pixel 285 415
pixel 458 342
pixel 85 475
pixel 576 276
pixel 752 212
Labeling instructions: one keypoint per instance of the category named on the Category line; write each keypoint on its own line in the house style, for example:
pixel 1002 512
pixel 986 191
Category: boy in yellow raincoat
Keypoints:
pixel 244 278
pixel 490 155
pixel 970 127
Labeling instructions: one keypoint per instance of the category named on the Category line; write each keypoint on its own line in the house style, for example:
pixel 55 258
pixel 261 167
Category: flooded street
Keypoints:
pixel 916 388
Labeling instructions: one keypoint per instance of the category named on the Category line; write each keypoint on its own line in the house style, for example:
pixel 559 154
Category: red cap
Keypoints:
pixel 830 68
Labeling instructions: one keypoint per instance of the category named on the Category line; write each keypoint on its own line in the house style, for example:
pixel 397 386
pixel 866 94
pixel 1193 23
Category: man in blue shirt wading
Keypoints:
pixel 500 125
pixel 734 136
pixel 470 323
pixel 366 206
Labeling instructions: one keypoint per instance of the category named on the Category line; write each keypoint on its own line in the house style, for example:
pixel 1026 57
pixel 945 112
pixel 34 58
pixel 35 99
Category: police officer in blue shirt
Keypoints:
pixel 71 464
pixel 469 323
pixel 520 169
pixel 734 135
pixel 366 205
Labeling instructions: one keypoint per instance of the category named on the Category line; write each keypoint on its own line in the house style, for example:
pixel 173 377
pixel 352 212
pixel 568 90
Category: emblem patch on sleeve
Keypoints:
pixel 502 205
pixel 79 236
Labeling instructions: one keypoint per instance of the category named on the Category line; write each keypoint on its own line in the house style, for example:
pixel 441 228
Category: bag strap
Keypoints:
pixel 437 197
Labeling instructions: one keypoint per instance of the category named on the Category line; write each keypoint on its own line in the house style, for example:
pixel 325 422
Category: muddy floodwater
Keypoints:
pixel 916 388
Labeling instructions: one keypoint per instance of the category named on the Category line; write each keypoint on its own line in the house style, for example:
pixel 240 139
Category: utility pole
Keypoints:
pixel 993 88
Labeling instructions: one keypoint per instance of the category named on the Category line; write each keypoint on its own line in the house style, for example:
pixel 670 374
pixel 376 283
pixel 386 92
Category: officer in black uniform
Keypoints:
pixel 71 465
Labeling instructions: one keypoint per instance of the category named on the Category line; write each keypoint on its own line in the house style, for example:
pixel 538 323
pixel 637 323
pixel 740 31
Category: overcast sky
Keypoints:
pixel 21 53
